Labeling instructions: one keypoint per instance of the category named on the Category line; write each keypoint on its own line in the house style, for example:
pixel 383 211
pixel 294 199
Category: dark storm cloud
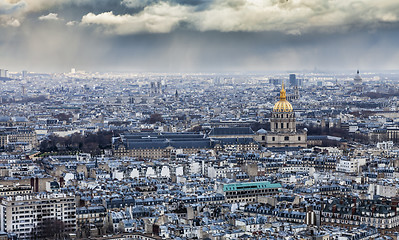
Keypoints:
pixel 204 35
pixel 215 51
pixel 291 17
pixel 287 16
pixel 199 4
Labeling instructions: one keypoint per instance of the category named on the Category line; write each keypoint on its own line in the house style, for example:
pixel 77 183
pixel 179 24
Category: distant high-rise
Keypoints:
pixel 73 70
pixel 4 73
pixel 159 87
pixel 216 81
pixel 293 81
pixel 275 81
pixel 153 89
pixel 24 73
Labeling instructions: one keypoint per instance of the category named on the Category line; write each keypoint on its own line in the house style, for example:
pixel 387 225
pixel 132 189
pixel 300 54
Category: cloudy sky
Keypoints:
pixel 199 35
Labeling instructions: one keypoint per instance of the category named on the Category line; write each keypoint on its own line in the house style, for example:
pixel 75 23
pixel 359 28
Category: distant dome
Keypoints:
pixel 262 131
pixel 283 105
pixel 357 77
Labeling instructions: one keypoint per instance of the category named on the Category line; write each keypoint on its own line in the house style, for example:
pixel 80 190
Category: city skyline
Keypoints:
pixel 199 119
pixel 205 36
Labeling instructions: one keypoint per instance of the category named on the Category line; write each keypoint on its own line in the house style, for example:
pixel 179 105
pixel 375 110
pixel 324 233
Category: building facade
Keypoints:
pixel 249 191
pixel 14 136
pixel 353 212
pixel 168 145
pixel 31 216
pixel 283 132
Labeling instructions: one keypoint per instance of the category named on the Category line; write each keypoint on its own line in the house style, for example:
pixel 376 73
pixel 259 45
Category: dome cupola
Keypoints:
pixel 282 105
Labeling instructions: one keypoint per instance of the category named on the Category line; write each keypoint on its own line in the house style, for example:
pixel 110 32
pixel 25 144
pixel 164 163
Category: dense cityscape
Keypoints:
pixel 199 156
pixel 199 119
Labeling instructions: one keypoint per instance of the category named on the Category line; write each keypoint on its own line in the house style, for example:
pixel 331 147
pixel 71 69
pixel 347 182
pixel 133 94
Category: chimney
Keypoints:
pixel 393 208
pixel 36 184
pixel 32 182
pixel 62 182
pixel 394 204
pixel 302 209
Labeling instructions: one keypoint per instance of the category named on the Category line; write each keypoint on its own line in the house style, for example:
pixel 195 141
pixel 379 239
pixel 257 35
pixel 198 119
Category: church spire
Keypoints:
pixel 282 93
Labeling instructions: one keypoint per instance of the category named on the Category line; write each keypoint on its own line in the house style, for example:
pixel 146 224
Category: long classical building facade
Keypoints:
pixel 167 145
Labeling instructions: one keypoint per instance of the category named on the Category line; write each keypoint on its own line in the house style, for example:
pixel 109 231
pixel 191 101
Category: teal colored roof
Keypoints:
pixel 249 186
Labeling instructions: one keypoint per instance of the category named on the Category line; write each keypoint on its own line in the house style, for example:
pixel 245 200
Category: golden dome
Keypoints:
pixel 283 105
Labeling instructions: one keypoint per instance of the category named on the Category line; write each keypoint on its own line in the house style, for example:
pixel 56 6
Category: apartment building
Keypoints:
pixel 13 190
pixel 249 191
pixel 30 216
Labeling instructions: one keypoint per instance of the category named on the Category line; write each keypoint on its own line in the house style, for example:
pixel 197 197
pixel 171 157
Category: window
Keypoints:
pixel 282 125
pixel 273 138
pixel 276 125
pixel 286 138
pixel 288 125
pixel 263 138
pixel 299 138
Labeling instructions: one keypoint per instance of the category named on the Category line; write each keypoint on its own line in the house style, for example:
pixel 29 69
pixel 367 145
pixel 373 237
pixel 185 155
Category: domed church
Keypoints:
pixel 283 133
pixel 358 85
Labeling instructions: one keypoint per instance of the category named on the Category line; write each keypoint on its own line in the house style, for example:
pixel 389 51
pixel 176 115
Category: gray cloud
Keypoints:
pixel 291 17
pixel 159 18
pixel 10 8
pixel 6 10
pixel 155 16
pixel 206 35
pixel 138 3
pixel 9 22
